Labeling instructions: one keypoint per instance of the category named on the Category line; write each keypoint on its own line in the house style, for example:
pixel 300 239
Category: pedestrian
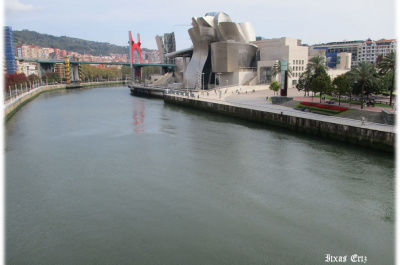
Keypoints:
pixel 362 120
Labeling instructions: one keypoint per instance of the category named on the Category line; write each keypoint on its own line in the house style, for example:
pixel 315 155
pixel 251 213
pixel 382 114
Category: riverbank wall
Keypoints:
pixel 361 136
pixel 11 108
pixel 19 102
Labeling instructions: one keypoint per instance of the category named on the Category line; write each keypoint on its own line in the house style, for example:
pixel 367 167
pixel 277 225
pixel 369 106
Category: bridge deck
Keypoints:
pixel 86 62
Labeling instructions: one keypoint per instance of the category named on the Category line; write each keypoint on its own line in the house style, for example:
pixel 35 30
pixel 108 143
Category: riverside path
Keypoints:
pixel 256 99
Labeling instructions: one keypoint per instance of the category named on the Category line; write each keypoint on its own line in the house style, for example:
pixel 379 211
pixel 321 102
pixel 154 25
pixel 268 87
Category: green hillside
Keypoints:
pixel 67 43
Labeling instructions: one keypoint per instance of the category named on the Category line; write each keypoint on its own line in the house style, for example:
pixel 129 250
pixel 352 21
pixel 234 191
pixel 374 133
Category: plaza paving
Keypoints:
pixel 255 97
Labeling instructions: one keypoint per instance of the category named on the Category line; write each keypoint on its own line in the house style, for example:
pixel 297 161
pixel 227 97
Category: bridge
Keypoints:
pixel 46 66
pixel 54 61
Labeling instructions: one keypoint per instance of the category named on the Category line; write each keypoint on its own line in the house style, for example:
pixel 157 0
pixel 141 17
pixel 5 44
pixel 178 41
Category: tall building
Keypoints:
pixel 9 51
pixel 166 45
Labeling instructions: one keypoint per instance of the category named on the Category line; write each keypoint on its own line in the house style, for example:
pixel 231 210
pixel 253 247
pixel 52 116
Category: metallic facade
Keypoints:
pixel 219 45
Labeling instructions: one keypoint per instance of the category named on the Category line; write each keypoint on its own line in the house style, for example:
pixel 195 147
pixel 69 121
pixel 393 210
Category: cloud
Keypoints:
pixel 16 6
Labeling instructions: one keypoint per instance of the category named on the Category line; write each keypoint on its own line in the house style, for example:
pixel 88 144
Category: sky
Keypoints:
pixel 312 21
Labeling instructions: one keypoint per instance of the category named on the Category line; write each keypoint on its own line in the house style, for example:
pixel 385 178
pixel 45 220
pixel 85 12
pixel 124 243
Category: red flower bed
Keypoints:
pixel 323 106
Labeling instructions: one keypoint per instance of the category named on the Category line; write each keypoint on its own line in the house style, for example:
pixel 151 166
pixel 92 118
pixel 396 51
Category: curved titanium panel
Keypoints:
pixel 206 21
pixel 194 34
pixel 227 56
pixel 248 31
pixel 221 17
pixel 231 31
pixel 196 64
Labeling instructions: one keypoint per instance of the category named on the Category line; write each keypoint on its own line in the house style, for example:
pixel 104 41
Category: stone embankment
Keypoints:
pixel 14 104
pixel 374 136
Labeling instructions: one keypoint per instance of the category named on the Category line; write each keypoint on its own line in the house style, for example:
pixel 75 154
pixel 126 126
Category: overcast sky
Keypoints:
pixel 110 21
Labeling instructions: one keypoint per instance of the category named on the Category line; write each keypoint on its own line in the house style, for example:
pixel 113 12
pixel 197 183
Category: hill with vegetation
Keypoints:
pixel 67 43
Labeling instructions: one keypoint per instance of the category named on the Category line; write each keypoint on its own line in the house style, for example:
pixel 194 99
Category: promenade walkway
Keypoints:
pixel 256 98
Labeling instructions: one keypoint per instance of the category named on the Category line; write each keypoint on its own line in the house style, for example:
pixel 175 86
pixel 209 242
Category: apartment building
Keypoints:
pixel 370 50
pixel 27 68
pixel 29 51
pixel 360 50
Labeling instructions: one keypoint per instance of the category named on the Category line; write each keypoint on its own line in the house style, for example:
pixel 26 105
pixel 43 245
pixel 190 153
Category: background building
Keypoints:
pixel 271 51
pixel 166 45
pixel 360 50
pixel 9 52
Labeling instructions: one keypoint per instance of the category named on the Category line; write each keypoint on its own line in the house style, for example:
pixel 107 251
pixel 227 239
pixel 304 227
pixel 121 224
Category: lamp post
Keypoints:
pixel 187 86
pixel 202 81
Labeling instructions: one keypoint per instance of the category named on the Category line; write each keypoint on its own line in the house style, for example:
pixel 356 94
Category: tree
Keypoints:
pixel 151 70
pixel 275 86
pixel 321 84
pixel 304 81
pixel 362 76
pixel 14 80
pixel 388 65
pixel 125 71
pixel 277 69
pixel 341 86
pixel 33 77
pixel 51 77
pixel 317 65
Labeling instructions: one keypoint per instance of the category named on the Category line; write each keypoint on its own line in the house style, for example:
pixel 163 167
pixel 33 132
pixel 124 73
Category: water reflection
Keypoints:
pixel 138 116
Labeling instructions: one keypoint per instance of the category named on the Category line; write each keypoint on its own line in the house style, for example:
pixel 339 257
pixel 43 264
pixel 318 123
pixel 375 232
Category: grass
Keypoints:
pixel 320 110
pixel 352 101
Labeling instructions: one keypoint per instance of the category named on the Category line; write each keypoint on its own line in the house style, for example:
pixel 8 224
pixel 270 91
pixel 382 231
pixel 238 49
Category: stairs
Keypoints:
pixel 163 81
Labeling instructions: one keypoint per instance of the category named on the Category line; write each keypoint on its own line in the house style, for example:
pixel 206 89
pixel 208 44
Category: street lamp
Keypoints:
pixel 202 82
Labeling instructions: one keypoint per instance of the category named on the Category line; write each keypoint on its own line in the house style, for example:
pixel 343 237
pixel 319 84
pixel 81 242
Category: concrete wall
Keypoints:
pixel 354 135
pixel 10 109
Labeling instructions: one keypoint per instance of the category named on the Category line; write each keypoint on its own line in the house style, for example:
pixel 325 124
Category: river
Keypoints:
pixel 97 176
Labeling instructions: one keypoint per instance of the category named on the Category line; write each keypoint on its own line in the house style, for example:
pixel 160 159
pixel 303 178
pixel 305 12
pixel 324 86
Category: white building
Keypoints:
pixel 271 51
pixel 27 68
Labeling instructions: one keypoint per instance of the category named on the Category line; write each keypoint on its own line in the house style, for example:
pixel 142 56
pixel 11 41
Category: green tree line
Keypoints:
pixel 363 79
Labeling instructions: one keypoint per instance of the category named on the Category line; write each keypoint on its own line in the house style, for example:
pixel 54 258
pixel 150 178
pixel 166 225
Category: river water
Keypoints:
pixel 97 176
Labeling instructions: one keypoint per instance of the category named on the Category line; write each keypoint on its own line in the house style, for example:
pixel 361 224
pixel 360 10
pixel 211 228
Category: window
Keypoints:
pixel 265 75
